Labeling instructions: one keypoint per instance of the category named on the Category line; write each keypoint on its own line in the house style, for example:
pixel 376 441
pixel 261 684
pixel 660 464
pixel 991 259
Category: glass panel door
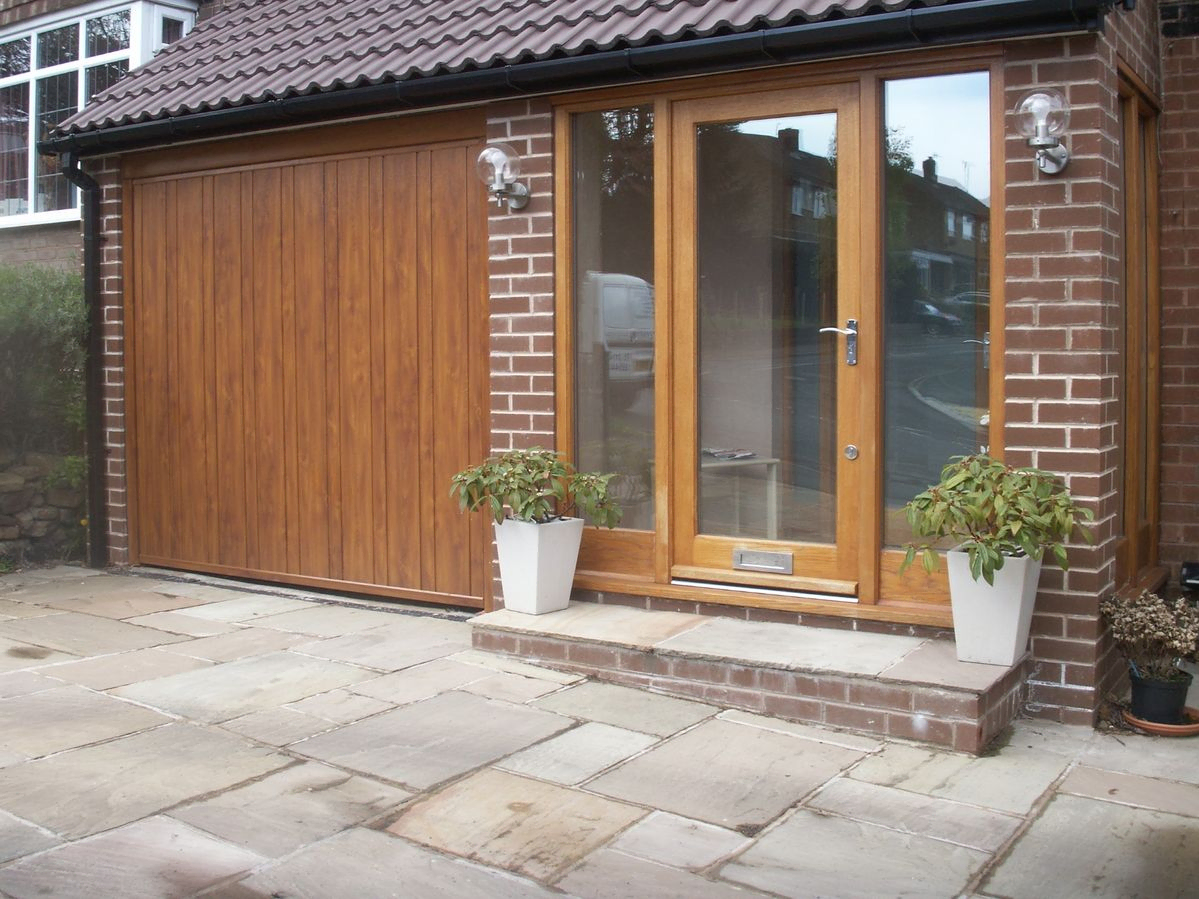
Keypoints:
pixel 767 381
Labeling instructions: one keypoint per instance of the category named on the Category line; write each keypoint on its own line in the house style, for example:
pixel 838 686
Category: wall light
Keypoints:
pixel 1042 117
pixel 499 167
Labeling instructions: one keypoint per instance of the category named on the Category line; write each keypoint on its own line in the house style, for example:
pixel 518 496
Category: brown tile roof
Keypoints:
pixel 260 50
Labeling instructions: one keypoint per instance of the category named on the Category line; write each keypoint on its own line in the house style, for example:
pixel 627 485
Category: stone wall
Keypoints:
pixel 38 520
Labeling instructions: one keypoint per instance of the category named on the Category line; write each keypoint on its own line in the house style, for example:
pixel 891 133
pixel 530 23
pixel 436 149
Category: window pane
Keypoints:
pixel 14 57
pixel 108 33
pixel 766 283
pixel 614 302
pixel 56 100
pixel 172 30
pixel 58 46
pixel 14 149
pixel 937 282
pixel 102 77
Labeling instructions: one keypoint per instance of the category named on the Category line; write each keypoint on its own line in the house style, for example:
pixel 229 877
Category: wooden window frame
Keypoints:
pixel 639 562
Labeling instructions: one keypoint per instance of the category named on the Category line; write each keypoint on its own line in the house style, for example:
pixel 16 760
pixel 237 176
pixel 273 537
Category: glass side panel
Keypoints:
pixel 102 77
pixel 937 282
pixel 57 98
pixel 766 254
pixel 613 191
pixel 14 57
pixel 57 46
pixel 14 149
pixel 107 34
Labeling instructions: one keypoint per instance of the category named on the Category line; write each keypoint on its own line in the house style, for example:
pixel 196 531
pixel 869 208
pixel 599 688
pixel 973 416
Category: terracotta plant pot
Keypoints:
pixel 1159 701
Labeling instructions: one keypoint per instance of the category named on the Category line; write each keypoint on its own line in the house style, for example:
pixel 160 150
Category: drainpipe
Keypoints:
pixel 93 377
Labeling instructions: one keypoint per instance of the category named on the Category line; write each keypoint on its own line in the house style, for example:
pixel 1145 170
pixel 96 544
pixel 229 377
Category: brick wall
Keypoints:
pixel 58 246
pixel 112 299
pixel 1180 284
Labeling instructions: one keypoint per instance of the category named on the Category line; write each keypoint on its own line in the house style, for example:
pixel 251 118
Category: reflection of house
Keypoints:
pixel 292 198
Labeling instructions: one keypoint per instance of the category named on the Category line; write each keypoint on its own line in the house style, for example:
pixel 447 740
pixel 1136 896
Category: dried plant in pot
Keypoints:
pixel 1155 636
pixel 1005 520
pixel 538 502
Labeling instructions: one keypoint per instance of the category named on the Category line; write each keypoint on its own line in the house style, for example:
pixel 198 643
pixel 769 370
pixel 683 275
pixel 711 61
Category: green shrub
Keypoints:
pixel 43 324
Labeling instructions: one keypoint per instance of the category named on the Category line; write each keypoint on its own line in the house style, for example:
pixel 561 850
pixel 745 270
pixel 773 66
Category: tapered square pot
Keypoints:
pixel 537 563
pixel 991 621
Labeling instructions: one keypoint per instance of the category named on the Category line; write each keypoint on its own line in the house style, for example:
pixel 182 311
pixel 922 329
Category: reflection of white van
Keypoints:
pixel 623 325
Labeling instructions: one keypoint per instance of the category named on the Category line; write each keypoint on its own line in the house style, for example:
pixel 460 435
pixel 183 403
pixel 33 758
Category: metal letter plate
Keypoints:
pixel 756 560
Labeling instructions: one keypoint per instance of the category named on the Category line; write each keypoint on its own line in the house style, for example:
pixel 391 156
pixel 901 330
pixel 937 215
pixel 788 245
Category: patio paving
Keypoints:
pixel 163 736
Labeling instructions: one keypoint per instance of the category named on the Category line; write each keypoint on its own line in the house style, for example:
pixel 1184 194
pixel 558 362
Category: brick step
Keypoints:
pixel 880 684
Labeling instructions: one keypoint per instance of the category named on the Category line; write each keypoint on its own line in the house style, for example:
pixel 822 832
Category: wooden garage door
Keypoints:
pixel 307 366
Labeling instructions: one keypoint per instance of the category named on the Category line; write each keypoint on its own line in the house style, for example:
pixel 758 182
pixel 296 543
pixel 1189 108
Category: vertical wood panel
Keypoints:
pixel 332 369
pixel 378 376
pixel 312 459
pixel 287 293
pixel 425 379
pixel 249 347
pixel 401 411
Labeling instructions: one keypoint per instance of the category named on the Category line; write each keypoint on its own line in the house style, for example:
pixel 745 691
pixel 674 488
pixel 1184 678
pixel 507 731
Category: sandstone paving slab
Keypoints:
pixel 814 855
pixel 247 607
pixel 122 604
pixel 201 593
pixel 511 687
pixel 608 874
pixel 1114 851
pixel 232 689
pixel 513 822
pixel 578 754
pixel 318 620
pixel 1068 740
pixel 84 791
pixel 84 635
pixel 915 813
pixel 612 624
pixel 42 723
pixel 807 731
pixel 428 742
pixel 421 681
pixel 106 672
pixel 10 609
pixel 16 655
pixel 46 590
pixel 22 683
pixel 515 666
pixel 1132 789
pixel 784 645
pixel 373 865
pixel 182 623
pixel 1166 757
pixel 726 774
pixel 237 644
pixel 402 643
pixel 340 706
pixel 150 859
pixel 679 842
pixel 650 713
pixel 278 727
pixel 1011 780
pixel 286 810
pixel 18 838
pixel 935 662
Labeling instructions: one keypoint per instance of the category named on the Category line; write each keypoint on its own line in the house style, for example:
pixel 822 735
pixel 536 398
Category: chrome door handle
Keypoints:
pixel 851 339
pixel 985 343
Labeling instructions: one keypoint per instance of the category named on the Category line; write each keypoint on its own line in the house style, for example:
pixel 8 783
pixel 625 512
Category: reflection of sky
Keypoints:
pixel 945 116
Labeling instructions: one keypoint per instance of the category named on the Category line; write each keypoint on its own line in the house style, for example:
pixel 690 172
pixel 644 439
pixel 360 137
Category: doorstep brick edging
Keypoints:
pixel 960 719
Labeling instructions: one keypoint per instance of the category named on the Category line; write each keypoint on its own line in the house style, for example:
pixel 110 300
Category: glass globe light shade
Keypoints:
pixel 1042 114
pixel 498 163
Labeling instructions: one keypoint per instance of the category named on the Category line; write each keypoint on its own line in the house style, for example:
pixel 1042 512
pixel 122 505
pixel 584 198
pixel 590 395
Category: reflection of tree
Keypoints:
pixel 14 57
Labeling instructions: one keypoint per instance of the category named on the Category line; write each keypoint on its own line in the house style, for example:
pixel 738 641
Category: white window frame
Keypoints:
pixel 145 30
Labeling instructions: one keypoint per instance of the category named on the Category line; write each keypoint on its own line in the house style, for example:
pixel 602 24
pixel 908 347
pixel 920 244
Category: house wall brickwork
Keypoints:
pixel 1180 284
pixel 56 246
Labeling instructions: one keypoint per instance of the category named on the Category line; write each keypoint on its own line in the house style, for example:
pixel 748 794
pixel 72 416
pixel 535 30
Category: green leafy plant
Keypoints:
pixel 994 510
pixel 70 472
pixel 535 485
pixel 1153 634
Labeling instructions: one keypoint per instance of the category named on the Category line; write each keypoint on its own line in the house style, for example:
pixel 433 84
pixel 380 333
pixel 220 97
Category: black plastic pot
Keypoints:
pixel 1159 701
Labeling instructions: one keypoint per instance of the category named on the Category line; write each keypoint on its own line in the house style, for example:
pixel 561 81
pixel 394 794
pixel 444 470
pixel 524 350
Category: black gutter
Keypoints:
pixel 93 377
pixel 963 23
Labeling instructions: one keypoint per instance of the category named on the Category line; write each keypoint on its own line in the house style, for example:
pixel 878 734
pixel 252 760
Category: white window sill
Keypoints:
pixel 29 219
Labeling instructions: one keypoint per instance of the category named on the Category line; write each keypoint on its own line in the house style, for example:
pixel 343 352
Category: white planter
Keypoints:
pixel 537 563
pixel 991 622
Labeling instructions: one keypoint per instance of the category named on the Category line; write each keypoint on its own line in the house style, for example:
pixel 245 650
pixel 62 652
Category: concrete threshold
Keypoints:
pixel 880 684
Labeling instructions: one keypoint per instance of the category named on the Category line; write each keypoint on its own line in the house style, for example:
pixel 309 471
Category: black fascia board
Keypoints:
pixel 962 23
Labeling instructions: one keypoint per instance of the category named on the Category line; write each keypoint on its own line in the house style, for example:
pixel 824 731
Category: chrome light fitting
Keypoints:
pixel 1042 117
pixel 499 167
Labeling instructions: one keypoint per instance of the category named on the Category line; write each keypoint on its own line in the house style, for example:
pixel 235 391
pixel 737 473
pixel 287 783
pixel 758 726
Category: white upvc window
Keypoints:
pixel 50 68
